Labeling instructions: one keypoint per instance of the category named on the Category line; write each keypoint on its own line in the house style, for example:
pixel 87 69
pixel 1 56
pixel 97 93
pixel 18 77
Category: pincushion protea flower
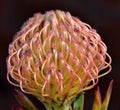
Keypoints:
pixel 55 57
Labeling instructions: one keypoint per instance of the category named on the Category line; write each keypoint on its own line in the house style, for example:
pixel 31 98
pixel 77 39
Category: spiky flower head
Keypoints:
pixel 56 56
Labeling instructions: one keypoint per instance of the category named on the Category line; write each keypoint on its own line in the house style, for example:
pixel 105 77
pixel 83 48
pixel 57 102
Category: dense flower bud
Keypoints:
pixel 56 56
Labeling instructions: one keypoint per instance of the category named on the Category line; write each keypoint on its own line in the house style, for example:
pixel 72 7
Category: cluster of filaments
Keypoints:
pixel 56 56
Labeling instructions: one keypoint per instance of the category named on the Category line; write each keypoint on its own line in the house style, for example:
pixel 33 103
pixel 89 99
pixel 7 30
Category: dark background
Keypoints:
pixel 103 15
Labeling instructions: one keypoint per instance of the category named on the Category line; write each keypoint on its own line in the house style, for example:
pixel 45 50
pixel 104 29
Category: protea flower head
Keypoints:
pixel 55 56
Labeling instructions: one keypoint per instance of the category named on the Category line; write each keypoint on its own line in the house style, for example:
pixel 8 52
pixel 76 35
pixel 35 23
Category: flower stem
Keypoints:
pixel 64 107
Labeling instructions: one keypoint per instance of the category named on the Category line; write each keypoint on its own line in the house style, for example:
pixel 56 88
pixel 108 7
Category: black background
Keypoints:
pixel 103 15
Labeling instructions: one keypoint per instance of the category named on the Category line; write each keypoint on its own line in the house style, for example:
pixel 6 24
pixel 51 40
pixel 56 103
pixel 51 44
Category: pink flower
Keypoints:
pixel 56 56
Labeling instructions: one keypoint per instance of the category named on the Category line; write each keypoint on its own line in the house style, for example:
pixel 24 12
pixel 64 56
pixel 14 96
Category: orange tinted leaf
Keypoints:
pixel 107 97
pixel 24 100
pixel 97 100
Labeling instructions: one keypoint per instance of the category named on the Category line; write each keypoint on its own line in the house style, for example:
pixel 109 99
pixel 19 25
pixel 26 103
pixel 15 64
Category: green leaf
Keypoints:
pixel 79 102
pixel 97 100
pixel 107 97
pixel 24 101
